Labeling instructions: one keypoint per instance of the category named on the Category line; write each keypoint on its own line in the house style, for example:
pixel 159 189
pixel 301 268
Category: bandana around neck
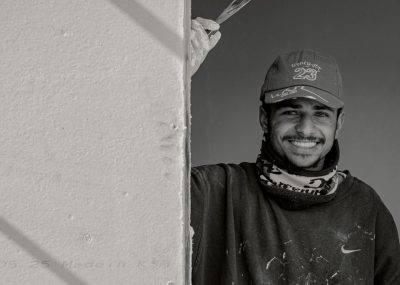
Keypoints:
pixel 273 171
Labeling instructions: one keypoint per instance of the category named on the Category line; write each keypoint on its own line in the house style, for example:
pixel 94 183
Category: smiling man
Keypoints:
pixel 301 130
pixel 292 217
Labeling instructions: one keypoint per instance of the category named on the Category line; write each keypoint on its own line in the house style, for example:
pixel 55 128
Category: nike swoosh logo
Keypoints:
pixel 347 251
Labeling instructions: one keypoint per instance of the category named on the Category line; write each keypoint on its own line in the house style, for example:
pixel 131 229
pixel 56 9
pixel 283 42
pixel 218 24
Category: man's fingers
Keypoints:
pixel 214 39
pixel 208 24
pixel 200 42
pixel 197 25
pixel 199 37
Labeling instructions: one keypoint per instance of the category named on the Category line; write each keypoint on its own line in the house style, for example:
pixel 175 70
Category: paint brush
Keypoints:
pixel 229 11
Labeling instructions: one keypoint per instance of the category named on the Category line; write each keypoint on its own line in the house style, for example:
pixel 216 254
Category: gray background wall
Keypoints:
pixel 364 37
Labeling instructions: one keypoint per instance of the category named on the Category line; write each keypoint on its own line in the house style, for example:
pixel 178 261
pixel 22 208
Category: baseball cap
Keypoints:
pixel 303 74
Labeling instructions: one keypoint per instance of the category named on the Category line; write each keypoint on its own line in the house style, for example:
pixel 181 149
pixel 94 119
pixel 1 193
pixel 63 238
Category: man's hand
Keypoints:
pixel 200 42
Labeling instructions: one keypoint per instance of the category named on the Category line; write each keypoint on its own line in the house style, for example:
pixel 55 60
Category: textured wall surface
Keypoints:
pixel 92 142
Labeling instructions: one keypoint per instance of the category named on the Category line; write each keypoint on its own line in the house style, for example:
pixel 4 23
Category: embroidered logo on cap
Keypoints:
pixel 293 90
pixel 285 92
pixel 306 70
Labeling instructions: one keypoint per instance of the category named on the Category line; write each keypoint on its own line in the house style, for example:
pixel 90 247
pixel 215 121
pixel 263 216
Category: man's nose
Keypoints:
pixel 305 126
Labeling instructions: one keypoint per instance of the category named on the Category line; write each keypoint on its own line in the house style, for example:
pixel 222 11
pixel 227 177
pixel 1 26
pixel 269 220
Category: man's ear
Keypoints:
pixel 339 123
pixel 263 119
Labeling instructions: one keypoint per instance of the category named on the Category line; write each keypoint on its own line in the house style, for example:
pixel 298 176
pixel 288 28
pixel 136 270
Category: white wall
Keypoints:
pixel 92 142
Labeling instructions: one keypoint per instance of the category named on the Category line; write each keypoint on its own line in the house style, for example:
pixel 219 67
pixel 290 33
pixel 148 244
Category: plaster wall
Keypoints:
pixel 93 142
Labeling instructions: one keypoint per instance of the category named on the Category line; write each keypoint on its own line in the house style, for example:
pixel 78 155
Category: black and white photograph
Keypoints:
pixel 199 142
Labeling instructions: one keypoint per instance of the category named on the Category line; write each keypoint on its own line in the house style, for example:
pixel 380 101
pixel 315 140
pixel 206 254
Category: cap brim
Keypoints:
pixel 309 92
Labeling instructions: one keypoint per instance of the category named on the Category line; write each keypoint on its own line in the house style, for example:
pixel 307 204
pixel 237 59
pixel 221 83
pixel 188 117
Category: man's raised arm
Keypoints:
pixel 200 42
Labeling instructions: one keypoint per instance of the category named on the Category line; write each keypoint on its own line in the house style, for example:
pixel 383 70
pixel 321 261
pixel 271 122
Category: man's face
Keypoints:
pixel 302 131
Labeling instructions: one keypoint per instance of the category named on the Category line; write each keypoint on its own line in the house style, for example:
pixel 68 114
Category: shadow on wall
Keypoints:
pixel 172 42
pixel 38 253
pixel 152 24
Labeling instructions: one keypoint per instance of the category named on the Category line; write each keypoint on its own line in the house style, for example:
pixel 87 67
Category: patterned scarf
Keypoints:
pixel 273 171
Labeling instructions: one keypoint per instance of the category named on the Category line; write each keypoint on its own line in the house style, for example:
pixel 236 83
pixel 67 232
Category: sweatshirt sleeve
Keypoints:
pixel 197 210
pixel 208 205
pixel 387 249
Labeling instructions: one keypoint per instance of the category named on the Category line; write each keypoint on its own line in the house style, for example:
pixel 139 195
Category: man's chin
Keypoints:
pixel 306 163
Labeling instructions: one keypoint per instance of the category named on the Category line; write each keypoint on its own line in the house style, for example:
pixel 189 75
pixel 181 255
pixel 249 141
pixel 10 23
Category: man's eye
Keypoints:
pixel 322 114
pixel 289 112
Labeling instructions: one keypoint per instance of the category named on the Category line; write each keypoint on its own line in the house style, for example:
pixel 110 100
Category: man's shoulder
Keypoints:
pixel 363 191
pixel 223 168
pixel 224 171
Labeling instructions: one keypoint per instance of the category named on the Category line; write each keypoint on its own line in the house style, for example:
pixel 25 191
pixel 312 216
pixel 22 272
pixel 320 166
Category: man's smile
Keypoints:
pixel 303 144
pixel 307 143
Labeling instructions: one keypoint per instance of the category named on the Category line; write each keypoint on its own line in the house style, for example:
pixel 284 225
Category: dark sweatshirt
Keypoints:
pixel 247 234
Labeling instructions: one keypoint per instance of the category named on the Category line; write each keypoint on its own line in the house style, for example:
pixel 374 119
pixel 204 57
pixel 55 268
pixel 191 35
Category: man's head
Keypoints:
pixel 302 110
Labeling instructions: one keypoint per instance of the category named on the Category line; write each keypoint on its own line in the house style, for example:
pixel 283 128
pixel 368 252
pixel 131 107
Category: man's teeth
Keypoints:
pixel 305 144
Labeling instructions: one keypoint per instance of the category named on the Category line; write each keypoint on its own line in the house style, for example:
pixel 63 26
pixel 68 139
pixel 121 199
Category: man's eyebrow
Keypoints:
pixel 323 108
pixel 288 105
pixel 294 105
